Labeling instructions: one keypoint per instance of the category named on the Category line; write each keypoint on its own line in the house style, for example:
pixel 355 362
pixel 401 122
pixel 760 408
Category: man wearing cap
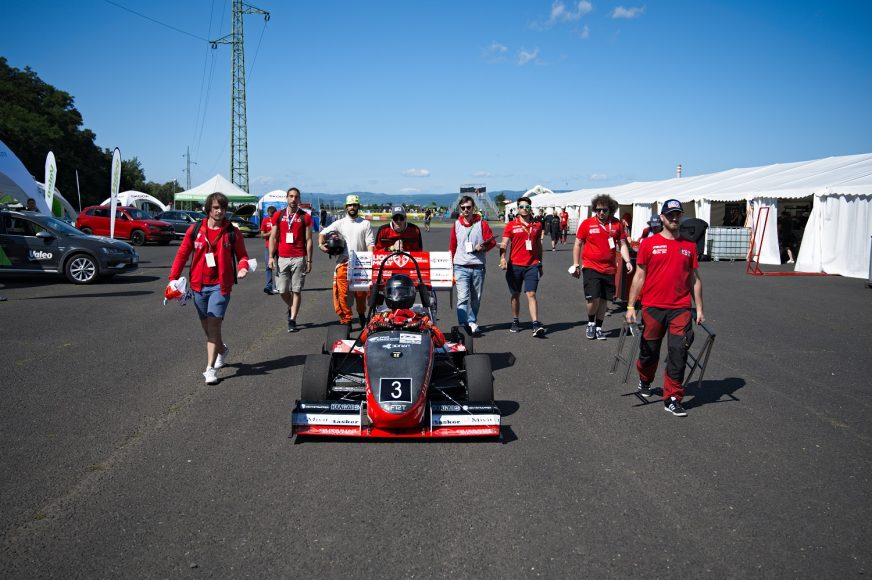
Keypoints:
pixel 358 236
pixel 596 244
pixel 666 277
pixel 471 239
pixel 399 234
pixel 290 253
pixel 655 226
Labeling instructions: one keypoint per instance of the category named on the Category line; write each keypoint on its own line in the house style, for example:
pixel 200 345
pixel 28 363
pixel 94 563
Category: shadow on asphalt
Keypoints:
pixel 100 295
pixel 719 391
pixel 526 328
pixel 501 360
pixel 267 367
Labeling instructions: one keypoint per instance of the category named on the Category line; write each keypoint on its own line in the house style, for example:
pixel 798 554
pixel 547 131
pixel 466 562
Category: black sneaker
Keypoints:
pixel 538 329
pixel 362 319
pixel 590 333
pixel 515 327
pixel 673 406
pixel 292 325
pixel 644 389
pixel 268 291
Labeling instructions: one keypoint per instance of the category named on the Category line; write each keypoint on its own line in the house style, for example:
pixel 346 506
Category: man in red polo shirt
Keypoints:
pixel 399 234
pixel 265 229
pixel 667 274
pixel 596 244
pixel 524 267
pixel 564 226
pixel 290 253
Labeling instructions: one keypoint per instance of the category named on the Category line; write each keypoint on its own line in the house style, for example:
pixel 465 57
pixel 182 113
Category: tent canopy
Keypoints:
pixel 220 184
pixel 136 199
pixel 16 181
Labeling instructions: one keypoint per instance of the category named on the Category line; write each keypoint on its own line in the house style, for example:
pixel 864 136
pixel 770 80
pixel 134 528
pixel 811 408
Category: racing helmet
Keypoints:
pixel 400 292
pixel 334 242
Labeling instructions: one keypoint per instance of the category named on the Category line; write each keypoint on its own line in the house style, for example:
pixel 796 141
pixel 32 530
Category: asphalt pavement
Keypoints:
pixel 118 461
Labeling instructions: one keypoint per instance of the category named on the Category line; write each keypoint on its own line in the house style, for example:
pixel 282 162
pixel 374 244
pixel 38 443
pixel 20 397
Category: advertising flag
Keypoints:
pixel 113 193
pixel 51 176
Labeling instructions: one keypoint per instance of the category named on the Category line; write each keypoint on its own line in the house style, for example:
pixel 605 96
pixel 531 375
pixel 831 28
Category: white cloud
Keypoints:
pixel 585 32
pixel 525 56
pixel 482 174
pixel 409 190
pixel 496 52
pixel 598 177
pixel 628 13
pixel 560 13
pixel 264 180
pixel 416 172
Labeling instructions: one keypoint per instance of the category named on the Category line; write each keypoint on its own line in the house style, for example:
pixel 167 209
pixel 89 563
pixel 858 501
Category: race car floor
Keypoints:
pixel 119 462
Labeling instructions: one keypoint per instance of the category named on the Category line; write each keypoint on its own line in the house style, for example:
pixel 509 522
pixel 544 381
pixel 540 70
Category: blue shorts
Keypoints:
pixel 526 276
pixel 210 302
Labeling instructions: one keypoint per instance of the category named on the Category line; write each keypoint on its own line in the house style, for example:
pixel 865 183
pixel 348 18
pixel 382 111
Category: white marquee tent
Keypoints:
pixel 837 235
pixel 218 183
pixel 138 199
pixel 16 182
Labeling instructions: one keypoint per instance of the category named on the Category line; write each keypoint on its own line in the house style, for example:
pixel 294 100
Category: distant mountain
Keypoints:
pixel 419 199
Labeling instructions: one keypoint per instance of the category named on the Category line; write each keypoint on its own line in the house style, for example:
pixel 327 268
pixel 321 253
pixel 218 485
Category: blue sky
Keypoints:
pixel 401 97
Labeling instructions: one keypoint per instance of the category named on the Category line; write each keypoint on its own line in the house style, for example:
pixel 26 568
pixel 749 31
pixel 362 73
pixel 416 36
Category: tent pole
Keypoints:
pixel 78 191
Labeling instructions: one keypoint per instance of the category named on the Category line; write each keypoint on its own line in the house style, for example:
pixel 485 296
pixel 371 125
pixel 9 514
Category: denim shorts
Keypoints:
pixel 210 302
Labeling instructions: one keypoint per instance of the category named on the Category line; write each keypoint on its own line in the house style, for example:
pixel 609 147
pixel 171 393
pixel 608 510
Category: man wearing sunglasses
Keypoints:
pixel 666 277
pixel 524 267
pixel 471 239
pixel 399 234
pixel 596 244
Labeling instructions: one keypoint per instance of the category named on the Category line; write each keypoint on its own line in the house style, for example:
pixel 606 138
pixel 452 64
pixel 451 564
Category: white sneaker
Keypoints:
pixel 219 360
pixel 790 261
pixel 211 376
pixel 473 327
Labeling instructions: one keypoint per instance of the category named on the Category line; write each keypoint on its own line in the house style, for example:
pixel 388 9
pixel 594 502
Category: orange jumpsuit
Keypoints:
pixel 340 295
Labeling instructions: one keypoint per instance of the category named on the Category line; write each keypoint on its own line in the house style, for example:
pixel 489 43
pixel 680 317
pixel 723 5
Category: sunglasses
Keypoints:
pixel 524 206
pixel 465 207
pixel 399 218
pixel 601 210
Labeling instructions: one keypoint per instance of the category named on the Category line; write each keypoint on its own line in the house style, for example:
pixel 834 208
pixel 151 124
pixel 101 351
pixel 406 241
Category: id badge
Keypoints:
pixel 468 247
pixel 611 243
pixel 289 238
pixel 529 245
pixel 210 260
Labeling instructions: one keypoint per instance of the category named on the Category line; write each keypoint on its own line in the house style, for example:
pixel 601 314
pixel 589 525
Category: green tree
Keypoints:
pixel 500 199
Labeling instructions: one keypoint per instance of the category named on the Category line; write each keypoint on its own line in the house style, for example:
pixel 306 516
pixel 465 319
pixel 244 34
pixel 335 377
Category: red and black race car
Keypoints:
pixel 397 383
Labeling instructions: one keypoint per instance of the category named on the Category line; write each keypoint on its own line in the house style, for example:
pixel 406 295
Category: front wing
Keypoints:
pixel 349 419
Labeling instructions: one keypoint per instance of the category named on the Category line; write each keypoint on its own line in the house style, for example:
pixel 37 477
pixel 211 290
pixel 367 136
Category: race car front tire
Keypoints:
pixel 316 377
pixel 334 333
pixel 479 377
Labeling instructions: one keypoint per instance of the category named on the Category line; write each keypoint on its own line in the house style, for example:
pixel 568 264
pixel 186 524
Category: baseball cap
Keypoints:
pixel 398 210
pixel 352 199
pixel 671 205
pixel 655 221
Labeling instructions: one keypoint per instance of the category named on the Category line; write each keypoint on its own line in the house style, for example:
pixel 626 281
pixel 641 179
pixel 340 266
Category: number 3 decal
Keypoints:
pixel 398 389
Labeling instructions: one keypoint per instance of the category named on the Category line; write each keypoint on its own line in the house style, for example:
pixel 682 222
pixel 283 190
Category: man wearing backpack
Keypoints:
pixel 290 253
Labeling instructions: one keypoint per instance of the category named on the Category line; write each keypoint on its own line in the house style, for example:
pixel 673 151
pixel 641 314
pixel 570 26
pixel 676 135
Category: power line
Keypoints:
pixel 171 27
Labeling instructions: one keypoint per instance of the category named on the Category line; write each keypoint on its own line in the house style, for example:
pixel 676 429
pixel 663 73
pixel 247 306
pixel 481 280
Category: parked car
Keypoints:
pixel 32 243
pixel 130 224
pixel 181 220
pixel 245 227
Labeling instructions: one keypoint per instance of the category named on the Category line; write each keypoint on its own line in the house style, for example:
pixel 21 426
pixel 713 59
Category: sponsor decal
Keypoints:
pixel 685 252
pixel 379 339
pixel 465 420
pixel 410 338
pixel 392 346
pixel 395 407
pixel 324 419
pixel 39 255
pixel 345 407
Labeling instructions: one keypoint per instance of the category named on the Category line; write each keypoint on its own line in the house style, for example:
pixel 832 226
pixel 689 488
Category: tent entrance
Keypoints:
pixel 753 266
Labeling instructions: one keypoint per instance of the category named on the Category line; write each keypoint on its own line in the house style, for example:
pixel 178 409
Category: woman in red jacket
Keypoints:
pixel 212 275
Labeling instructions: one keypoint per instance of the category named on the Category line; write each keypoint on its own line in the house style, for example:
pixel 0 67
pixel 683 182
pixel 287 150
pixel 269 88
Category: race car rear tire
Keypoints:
pixel 316 377
pixel 334 333
pixel 479 377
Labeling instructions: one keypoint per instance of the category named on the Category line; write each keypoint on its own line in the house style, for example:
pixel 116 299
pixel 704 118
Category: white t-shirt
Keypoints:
pixel 356 232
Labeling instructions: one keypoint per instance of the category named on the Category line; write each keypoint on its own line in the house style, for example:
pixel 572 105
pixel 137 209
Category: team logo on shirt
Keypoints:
pixel 659 250
pixel 685 252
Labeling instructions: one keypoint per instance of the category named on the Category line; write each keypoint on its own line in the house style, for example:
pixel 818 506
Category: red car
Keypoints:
pixel 130 224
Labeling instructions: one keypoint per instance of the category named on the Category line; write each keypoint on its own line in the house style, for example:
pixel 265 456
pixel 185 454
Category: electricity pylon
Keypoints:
pixel 238 122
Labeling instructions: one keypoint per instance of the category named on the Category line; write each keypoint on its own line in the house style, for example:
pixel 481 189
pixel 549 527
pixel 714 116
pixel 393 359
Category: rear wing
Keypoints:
pixel 436 268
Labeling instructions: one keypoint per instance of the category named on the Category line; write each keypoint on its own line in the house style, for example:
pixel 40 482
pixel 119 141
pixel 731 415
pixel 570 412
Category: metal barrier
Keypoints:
pixel 696 362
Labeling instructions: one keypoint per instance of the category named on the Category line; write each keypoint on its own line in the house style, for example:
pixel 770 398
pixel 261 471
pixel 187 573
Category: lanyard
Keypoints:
pixel 218 237
pixel 527 230
pixel 292 221
pixel 468 229
pixel 607 231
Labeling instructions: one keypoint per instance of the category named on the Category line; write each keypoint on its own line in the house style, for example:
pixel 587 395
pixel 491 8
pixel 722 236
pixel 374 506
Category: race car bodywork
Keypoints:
pixel 397 383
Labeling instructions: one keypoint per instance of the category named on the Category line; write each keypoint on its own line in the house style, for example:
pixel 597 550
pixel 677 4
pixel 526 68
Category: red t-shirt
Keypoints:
pixel 597 253
pixel 386 237
pixel 564 220
pixel 266 227
pixel 519 233
pixel 297 224
pixel 213 238
pixel 668 266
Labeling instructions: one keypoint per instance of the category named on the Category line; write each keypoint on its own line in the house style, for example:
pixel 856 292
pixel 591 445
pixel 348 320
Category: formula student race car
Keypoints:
pixel 397 383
